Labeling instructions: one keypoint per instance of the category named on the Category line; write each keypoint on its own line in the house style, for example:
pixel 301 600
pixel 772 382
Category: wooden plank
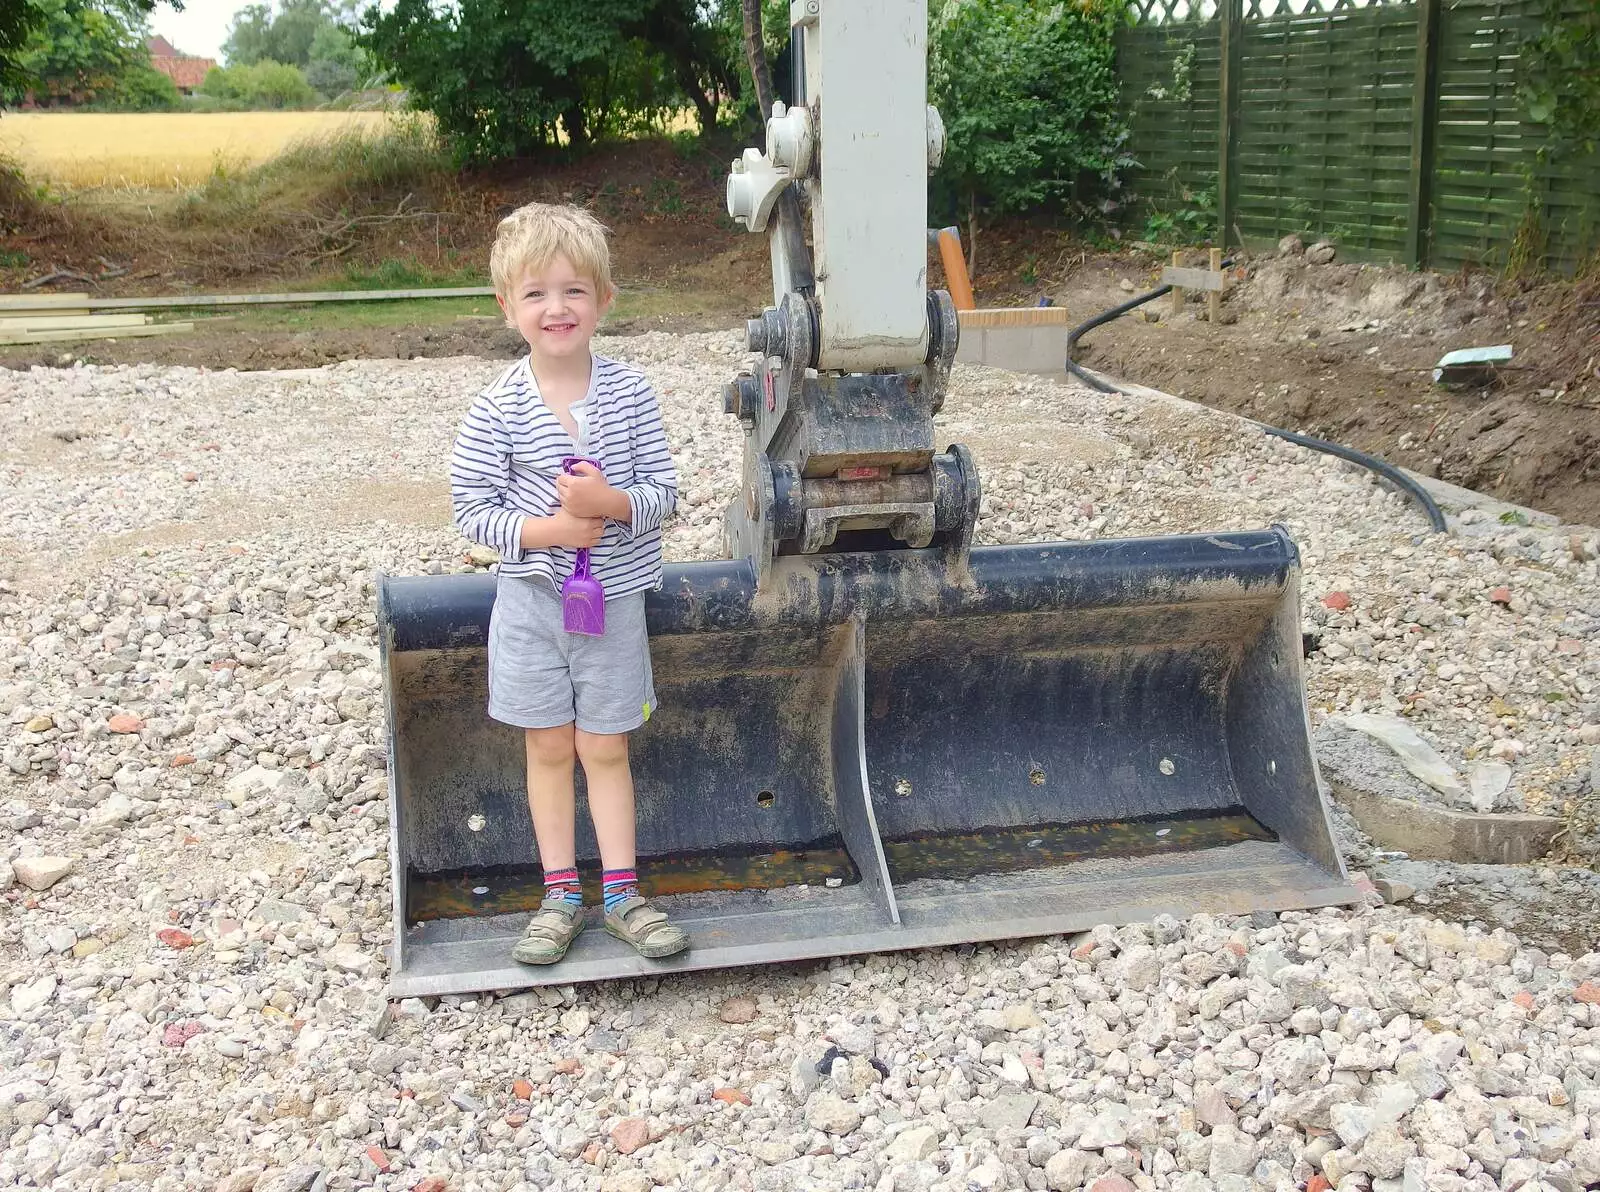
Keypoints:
pixel 1264 131
pixel 1392 196
pixel 199 300
pixel 64 322
pixel 1393 203
pixel 54 303
pixel 39 337
pixel 66 312
pixel 1389 117
pixel 1424 117
pixel 68 303
pixel 1265 127
pixel 1270 165
pixel 1387 172
pixel 1192 277
pixel 1230 19
pixel 1506 186
pixel 1393 103
pixel 1387 225
pixel 1509 210
pixel 1214 299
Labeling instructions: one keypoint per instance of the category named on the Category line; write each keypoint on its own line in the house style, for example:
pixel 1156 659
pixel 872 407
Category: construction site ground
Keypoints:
pixel 192 958
pixel 1342 351
pixel 198 896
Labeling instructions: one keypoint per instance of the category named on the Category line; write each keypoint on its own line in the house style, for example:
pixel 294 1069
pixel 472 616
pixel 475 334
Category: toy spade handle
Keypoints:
pixel 569 465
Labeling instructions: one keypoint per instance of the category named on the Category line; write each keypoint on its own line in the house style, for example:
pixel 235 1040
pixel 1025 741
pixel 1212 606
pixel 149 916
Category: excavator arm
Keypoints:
pixel 851 362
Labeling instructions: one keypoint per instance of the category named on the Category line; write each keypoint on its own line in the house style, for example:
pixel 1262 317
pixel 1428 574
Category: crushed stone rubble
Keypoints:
pixel 195 883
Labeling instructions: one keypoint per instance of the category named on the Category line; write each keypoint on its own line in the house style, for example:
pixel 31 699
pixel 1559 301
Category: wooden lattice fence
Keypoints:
pixel 1392 127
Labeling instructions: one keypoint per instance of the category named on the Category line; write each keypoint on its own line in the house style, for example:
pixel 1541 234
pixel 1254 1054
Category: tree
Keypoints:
pixel 249 36
pixel 78 49
pixel 336 63
pixel 263 84
pixel 143 88
pixel 697 51
pixel 314 35
pixel 257 35
pixel 509 79
pixel 1028 93
pixel 100 39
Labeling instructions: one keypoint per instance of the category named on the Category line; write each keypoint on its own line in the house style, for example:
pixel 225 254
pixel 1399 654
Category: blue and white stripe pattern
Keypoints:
pixel 508 454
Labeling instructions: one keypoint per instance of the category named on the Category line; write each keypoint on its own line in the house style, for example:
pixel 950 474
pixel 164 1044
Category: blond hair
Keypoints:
pixel 534 235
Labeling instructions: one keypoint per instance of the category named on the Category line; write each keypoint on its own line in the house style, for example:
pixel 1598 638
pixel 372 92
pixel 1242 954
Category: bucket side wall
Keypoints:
pixel 1269 738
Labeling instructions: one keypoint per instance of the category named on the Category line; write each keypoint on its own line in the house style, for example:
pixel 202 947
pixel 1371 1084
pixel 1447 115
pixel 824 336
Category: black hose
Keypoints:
pixel 1116 312
pixel 1388 471
pixel 1419 495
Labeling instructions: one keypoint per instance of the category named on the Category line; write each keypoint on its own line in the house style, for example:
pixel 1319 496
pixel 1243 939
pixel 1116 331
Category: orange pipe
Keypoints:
pixel 955 269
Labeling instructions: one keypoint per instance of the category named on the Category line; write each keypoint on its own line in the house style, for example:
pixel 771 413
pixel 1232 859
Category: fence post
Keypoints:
pixel 1424 117
pixel 1231 14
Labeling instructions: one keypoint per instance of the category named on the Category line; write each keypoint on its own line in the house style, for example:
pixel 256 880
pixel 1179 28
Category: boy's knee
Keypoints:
pixel 602 749
pixel 551 746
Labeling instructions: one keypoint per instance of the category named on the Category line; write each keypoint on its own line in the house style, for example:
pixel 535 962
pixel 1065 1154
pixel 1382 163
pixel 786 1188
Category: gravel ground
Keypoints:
pixel 196 891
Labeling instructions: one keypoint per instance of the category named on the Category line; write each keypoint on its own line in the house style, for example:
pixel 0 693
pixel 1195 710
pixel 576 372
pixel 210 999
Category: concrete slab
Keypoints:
pixel 1028 339
pixel 1431 833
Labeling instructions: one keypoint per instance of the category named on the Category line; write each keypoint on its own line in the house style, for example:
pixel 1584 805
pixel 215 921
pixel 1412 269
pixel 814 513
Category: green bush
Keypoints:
pixel 329 77
pixel 144 89
pixel 67 51
pixel 1558 78
pixel 262 84
pixel 504 80
pixel 1028 93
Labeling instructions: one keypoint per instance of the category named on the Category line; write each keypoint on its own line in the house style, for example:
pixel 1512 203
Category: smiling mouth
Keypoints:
pixel 561 327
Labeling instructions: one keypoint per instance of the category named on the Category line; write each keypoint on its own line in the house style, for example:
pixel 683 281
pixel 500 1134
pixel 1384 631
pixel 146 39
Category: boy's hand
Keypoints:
pixel 569 530
pixel 585 493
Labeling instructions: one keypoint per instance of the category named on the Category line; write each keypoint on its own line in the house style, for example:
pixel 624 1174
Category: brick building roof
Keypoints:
pixel 186 72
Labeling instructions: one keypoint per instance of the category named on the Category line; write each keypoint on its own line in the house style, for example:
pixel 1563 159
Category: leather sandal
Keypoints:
pixel 549 933
pixel 636 922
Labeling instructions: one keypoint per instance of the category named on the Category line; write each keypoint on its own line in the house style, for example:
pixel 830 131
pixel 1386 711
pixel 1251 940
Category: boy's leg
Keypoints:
pixel 605 767
pixel 628 916
pixel 559 919
pixel 614 694
pixel 552 753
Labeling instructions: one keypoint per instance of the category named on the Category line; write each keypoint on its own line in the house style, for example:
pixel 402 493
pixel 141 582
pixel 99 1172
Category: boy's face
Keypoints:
pixel 555 308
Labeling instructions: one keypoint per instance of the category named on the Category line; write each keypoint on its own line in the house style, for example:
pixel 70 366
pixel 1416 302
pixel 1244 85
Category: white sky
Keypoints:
pixel 202 26
pixel 200 29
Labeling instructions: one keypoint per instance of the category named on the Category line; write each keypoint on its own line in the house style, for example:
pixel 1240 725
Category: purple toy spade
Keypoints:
pixel 583 600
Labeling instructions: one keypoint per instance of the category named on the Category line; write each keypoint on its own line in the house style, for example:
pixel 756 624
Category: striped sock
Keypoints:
pixel 618 885
pixel 563 884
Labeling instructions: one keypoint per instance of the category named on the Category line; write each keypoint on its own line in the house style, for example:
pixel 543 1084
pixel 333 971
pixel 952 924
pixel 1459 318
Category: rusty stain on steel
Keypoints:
pixel 946 856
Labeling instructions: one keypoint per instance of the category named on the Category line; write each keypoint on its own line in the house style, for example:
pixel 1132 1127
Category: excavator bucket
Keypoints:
pixel 877 751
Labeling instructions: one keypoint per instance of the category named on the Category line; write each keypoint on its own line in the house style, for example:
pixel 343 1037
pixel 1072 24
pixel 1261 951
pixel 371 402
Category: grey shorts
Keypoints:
pixel 541 676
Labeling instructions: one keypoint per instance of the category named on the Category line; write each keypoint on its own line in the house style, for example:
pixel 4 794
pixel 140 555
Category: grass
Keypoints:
pixel 409 274
pixel 336 316
pixel 330 193
pixel 168 150
pixel 383 208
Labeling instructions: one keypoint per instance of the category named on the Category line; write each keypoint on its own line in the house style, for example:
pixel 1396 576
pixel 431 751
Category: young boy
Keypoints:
pixel 577 697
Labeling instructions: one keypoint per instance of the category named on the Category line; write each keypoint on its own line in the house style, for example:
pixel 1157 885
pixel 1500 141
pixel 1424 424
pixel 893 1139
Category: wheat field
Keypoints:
pixel 160 150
